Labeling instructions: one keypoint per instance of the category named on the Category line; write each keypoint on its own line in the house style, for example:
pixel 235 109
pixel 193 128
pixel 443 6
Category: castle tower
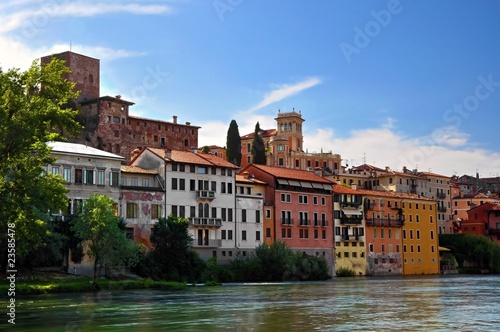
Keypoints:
pixel 85 72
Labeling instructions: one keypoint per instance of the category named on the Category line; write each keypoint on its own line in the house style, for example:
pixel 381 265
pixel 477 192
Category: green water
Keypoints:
pixel 438 303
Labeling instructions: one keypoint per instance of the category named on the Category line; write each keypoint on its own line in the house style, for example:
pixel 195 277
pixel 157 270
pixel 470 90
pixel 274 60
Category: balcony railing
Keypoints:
pixel 345 204
pixel 206 243
pixel 352 238
pixel 287 221
pixel 205 194
pixel 320 223
pixel 442 208
pixel 351 221
pixel 494 231
pixel 385 222
pixel 441 195
pixel 304 222
pixel 210 222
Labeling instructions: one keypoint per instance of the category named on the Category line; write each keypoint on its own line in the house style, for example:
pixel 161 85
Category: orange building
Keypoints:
pixel 285 148
pixel 302 204
pixel 402 219
pixel 483 220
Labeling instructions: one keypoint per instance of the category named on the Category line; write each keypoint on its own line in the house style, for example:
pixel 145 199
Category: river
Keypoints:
pixel 427 303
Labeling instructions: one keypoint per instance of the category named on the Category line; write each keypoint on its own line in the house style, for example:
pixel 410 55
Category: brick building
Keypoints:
pixel 106 120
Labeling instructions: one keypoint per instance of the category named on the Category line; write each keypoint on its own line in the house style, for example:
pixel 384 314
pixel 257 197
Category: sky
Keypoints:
pixel 412 83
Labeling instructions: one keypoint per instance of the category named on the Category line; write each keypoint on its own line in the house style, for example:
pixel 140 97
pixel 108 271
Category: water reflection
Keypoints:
pixel 439 303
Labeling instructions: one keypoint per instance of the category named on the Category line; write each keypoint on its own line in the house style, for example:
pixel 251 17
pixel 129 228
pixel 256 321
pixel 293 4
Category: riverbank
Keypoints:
pixel 33 283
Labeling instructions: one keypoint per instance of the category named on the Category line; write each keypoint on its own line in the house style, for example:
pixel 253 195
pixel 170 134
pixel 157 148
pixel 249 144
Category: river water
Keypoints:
pixel 427 303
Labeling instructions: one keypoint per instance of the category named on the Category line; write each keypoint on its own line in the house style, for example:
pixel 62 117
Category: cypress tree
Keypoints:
pixel 233 144
pixel 258 148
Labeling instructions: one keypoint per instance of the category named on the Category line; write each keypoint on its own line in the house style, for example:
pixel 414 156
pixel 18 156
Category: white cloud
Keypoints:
pixel 26 15
pixel 284 91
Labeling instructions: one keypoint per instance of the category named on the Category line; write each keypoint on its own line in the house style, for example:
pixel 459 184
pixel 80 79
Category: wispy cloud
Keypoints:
pixel 19 14
pixel 284 91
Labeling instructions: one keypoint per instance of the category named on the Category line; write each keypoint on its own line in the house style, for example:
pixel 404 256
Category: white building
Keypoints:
pixel 200 187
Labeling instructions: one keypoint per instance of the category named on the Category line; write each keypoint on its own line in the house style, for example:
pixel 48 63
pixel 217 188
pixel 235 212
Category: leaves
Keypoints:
pixel 233 144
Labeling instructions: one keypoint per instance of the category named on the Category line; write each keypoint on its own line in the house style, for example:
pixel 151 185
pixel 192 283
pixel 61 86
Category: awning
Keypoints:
pixel 283 181
pixel 352 212
pixel 306 184
pixel 444 249
pixel 317 185
pixel 294 183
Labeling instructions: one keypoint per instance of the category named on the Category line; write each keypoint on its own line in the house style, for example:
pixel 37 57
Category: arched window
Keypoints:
pixel 200 210
pixel 91 78
pixel 207 210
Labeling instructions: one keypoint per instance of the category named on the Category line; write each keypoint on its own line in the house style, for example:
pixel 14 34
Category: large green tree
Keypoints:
pixel 99 228
pixel 172 250
pixel 258 148
pixel 233 144
pixel 33 111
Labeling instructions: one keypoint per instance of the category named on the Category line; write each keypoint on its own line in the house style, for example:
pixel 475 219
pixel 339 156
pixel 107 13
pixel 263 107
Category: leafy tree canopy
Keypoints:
pixel 33 111
pixel 98 226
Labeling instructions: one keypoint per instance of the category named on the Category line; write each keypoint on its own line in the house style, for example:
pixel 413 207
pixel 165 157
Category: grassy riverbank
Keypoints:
pixel 43 283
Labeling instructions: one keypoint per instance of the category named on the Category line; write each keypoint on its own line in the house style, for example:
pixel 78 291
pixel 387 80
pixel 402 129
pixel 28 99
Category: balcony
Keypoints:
pixel 287 221
pixel 206 243
pixel 441 195
pixel 205 222
pixel 205 194
pixel 352 238
pixel 442 208
pixel 494 231
pixel 304 222
pixel 385 222
pixel 351 221
pixel 345 204
pixel 320 223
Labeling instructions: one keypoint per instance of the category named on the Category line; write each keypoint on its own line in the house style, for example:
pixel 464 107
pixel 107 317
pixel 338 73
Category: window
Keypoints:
pixel 113 178
pixel 230 234
pixel 229 188
pixel 174 167
pixel 182 184
pixel 244 235
pixel 323 234
pixel 202 170
pixel 323 201
pixel 230 214
pixel 268 232
pixel 116 119
pixel 134 181
pixel 192 185
pixel 174 183
pixel 223 187
pixel 315 200
pixel 302 199
pixel 145 182
pixel 78 176
pixel 55 170
pixel 257 235
pixel 67 174
pixel 132 210
pixel 223 234
pixel 155 211
pixel 100 177
pixel 257 216
pixel 268 214
pixel 192 168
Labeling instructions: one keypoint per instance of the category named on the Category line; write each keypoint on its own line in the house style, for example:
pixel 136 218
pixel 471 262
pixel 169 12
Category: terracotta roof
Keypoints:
pixel 242 178
pixel 136 169
pixel 265 133
pixel 393 194
pixel 340 189
pixel 218 161
pixel 295 174
pixel 189 157
pixel 433 174
pixel 187 124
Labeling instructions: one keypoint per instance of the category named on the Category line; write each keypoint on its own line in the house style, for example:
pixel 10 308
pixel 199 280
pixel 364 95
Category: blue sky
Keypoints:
pixel 395 83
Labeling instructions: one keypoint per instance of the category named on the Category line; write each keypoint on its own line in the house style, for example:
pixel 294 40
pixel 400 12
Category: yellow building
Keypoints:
pixel 349 230
pixel 420 235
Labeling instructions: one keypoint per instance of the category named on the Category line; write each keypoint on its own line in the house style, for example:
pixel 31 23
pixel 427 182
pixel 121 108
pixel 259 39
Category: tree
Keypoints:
pixel 33 111
pixel 107 244
pixel 258 148
pixel 172 249
pixel 233 144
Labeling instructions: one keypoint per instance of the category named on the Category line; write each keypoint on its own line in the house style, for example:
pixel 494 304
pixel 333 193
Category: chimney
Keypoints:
pixel 118 96
pixel 387 168
pixel 354 186
pixel 168 154
pixel 175 119
pixel 188 123
pixel 404 169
